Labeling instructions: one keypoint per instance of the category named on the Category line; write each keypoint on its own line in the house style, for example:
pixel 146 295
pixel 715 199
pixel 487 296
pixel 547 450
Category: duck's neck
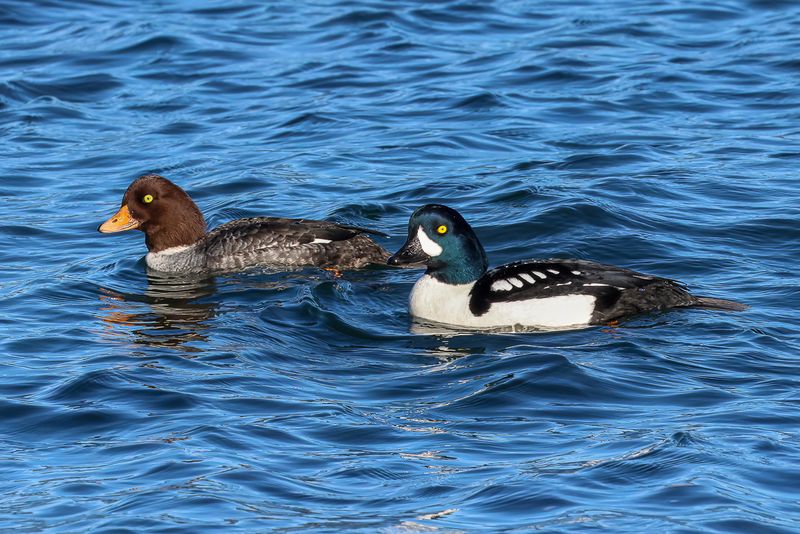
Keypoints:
pixel 183 228
pixel 464 268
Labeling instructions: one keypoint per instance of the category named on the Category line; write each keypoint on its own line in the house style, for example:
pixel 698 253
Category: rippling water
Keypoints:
pixel 662 136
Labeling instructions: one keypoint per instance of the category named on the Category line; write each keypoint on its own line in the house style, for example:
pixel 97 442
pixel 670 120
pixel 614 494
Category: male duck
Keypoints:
pixel 176 238
pixel 458 290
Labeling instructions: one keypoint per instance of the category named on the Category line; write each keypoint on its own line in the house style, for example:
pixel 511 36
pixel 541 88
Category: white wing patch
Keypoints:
pixel 502 285
pixel 507 284
pixel 318 240
pixel 520 279
pixel 429 246
pixel 576 273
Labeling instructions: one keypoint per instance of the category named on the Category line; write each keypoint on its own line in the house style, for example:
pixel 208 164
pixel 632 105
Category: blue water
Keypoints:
pixel 662 136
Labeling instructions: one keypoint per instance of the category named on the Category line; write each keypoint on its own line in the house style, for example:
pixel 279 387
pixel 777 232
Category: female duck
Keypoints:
pixel 176 238
pixel 458 290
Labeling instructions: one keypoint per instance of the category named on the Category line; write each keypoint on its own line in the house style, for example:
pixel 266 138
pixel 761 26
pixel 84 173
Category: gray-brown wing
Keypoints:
pixel 279 240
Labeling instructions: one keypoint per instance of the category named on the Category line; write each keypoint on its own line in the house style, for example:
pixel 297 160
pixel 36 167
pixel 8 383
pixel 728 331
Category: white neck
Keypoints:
pixel 437 301
pixel 183 258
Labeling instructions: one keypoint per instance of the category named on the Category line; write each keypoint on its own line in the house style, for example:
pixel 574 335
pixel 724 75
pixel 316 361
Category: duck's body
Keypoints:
pixel 551 293
pixel 177 241
pixel 272 241
pixel 458 290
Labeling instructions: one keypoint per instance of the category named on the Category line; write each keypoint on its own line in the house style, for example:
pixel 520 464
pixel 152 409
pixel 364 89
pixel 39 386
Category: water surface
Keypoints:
pixel 661 137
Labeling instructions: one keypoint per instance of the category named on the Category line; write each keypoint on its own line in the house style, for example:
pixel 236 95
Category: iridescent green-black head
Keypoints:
pixel 441 239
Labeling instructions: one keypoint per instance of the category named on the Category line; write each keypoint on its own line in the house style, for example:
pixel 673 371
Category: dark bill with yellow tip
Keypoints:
pixel 119 222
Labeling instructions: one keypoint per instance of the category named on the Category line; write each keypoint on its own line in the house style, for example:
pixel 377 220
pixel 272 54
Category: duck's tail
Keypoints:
pixel 719 304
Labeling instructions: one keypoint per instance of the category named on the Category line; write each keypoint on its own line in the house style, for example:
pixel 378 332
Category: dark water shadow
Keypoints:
pixel 172 311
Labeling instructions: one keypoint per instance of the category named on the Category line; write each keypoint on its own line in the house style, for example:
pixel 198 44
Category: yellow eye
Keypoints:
pixel 147 199
pixel 441 230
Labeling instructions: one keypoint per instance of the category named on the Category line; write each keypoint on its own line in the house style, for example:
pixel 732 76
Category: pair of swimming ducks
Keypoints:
pixel 457 289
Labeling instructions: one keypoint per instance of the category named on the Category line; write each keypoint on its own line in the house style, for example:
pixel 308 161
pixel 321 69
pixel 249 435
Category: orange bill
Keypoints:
pixel 119 222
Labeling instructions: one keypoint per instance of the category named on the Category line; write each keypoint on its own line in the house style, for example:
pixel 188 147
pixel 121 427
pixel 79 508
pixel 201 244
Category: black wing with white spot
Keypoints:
pixel 617 291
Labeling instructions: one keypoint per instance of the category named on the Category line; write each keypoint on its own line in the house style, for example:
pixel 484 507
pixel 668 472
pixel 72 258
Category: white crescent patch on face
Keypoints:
pixel 429 246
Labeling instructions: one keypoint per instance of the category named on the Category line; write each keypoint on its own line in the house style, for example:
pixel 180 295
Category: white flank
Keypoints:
pixel 449 304
pixel 528 278
pixel 501 285
pixel 318 240
pixel 429 246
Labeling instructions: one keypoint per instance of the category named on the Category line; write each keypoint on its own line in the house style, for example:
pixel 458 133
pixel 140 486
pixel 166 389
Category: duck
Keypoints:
pixel 458 290
pixel 177 241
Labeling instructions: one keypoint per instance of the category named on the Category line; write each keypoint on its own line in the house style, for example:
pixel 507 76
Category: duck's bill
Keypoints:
pixel 411 252
pixel 119 222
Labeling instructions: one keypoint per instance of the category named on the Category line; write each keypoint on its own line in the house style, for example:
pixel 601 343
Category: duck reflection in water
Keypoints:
pixel 170 313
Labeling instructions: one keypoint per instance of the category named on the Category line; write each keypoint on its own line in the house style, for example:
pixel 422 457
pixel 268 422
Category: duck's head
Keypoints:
pixel 160 209
pixel 440 238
